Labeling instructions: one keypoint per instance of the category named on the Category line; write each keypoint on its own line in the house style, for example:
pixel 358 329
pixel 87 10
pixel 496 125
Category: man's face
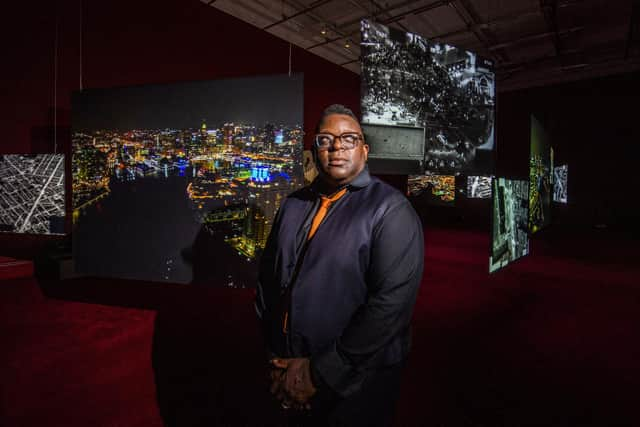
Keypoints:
pixel 336 165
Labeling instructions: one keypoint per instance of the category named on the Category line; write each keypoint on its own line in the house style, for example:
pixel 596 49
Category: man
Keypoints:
pixel 337 285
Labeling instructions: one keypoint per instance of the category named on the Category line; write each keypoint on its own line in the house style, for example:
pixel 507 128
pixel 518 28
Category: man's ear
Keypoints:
pixel 365 147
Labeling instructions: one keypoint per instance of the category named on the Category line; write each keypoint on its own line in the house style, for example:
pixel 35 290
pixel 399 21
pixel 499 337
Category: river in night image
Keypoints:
pixel 149 229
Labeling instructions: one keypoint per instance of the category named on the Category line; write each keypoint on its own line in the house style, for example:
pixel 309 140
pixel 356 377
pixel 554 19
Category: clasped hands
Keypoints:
pixel 291 382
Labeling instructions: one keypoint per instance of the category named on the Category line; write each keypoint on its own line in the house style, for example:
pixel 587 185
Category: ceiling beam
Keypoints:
pixel 379 12
pixel 466 29
pixel 545 76
pixel 549 9
pixel 417 11
pixel 488 24
pixel 308 9
pixel 378 7
pixel 567 3
pixel 535 37
pixel 386 21
pixel 347 53
pixel 349 62
pixel 321 20
pixel 501 20
pixel 568 58
pixel 473 21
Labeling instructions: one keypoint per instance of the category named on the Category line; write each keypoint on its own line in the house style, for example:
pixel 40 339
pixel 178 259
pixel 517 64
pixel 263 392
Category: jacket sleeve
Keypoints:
pixel 394 276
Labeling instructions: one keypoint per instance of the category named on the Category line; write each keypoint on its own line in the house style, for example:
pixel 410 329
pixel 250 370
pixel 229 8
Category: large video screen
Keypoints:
pixel 560 183
pixel 32 193
pixel 479 187
pixel 437 190
pixel 510 238
pixel 450 92
pixel 540 177
pixel 180 183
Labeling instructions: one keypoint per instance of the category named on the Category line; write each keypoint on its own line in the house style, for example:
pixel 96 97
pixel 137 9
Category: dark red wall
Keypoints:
pixel 143 42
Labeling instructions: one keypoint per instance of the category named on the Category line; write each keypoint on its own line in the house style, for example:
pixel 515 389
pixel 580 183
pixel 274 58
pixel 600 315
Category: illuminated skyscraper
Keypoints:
pixel 269 137
pixel 279 137
pixel 227 132
pixel 204 135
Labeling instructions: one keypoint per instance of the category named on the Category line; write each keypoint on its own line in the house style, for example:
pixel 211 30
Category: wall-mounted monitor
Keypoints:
pixel 540 176
pixel 479 187
pixel 438 190
pixel 410 81
pixel 180 183
pixel 560 184
pixel 32 194
pixel 510 238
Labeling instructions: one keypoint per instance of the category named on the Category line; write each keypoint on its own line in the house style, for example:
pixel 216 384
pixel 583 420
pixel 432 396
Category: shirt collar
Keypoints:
pixel 362 180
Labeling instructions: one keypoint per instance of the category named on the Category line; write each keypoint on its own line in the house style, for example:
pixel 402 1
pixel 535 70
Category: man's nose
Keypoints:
pixel 336 144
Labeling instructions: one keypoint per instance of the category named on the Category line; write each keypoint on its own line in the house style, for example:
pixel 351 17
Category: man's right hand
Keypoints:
pixel 277 376
pixel 292 386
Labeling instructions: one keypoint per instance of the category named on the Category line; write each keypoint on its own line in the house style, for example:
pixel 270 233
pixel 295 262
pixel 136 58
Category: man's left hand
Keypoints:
pixel 297 382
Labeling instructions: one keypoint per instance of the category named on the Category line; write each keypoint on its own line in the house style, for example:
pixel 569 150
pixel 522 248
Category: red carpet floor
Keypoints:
pixel 11 268
pixel 552 340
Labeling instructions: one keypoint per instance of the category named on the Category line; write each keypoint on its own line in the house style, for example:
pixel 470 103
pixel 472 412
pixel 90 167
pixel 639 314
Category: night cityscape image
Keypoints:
pixel 32 193
pixel 437 189
pixel 540 177
pixel 560 174
pixel 181 183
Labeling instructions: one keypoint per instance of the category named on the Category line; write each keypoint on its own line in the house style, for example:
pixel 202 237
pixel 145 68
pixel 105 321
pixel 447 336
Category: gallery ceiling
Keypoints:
pixel 532 42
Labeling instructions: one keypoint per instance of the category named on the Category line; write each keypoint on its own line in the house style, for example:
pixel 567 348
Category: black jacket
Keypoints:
pixel 353 285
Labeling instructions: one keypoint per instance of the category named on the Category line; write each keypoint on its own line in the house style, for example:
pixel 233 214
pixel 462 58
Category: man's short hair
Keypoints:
pixel 336 109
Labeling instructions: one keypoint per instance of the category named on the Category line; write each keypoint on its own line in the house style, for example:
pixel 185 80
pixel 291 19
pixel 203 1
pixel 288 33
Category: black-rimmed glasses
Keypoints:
pixel 348 140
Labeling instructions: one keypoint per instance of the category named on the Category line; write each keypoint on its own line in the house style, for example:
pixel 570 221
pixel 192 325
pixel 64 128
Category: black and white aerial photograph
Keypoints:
pixel 479 187
pixel 410 81
pixel 32 193
pixel 560 183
